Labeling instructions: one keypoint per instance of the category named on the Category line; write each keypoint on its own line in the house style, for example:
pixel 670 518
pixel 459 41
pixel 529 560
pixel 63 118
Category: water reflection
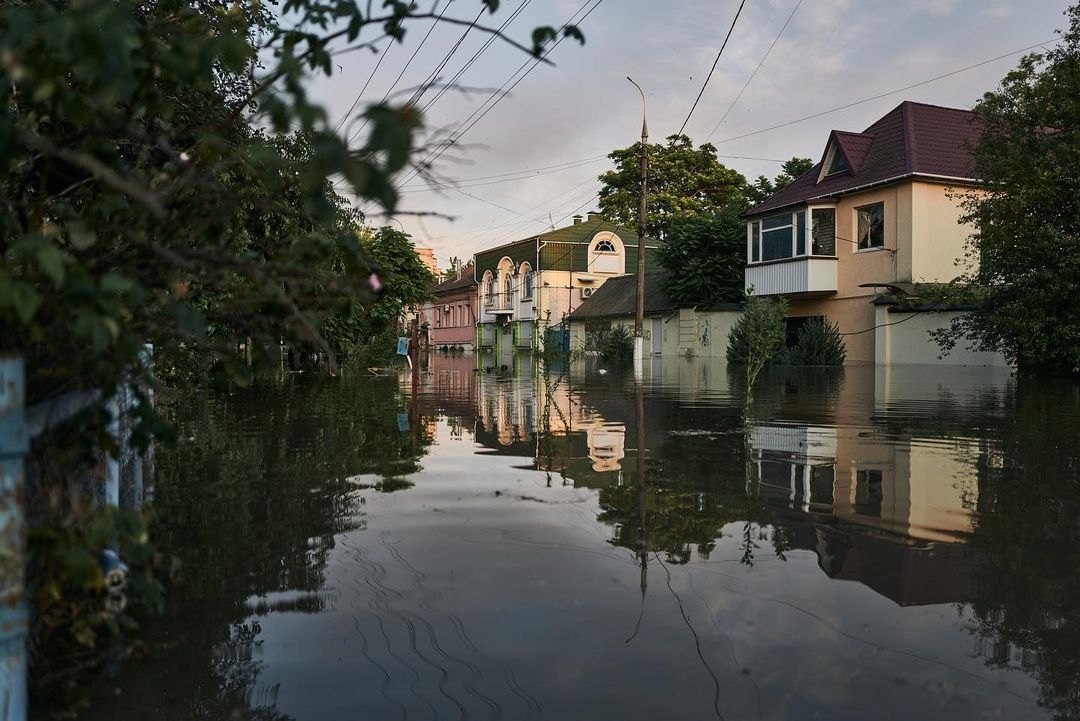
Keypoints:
pixel 568 544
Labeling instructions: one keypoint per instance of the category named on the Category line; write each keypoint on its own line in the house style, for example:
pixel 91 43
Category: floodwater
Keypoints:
pixel 539 543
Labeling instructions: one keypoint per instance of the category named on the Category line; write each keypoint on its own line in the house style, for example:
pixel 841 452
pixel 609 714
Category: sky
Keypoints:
pixel 531 161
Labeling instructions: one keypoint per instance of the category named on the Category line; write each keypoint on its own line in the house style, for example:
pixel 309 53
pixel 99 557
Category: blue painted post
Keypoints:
pixel 13 610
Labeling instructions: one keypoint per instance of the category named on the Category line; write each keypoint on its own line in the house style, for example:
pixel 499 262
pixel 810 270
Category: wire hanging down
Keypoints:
pixel 711 70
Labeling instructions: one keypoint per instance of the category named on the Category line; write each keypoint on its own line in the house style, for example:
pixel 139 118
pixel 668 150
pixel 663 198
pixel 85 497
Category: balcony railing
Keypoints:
pixel 499 302
pixel 807 274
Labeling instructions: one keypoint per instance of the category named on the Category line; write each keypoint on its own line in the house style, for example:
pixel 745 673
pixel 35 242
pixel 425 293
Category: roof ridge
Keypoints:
pixel 910 151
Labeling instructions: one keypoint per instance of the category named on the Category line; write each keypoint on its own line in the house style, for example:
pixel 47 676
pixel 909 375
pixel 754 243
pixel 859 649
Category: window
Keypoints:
pixel 823 231
pixel 508 290
pixel 527 285
pixel 489 295
pixel 836 162
pixel 871 220
pixel 868 492
pixel 605 246
pixel 778 236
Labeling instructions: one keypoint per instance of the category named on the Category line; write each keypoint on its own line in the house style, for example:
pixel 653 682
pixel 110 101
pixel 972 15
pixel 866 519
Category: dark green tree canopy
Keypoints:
pixel 762 188
pixel 1023 275
pixel 705 257
pixel 683 180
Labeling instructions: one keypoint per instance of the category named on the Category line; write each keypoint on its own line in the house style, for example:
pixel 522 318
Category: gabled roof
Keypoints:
pixel 854 146
pixel 913 139
pixel 617 297
pixel 465 281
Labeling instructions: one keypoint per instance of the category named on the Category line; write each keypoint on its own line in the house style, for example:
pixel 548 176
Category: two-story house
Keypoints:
pixel 880 211
pixel 527 287
pixel 451 314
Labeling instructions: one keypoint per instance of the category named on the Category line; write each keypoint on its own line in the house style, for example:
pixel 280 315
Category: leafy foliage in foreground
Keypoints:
pixel 164 177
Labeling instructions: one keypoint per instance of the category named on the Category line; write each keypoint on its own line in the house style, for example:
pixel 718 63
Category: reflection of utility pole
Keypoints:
pixel 643 532
pixel 639 315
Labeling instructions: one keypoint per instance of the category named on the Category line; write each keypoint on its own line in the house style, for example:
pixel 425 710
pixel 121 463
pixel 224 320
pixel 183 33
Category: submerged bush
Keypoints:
pixel 819 344
pixel 615 345
pixel 758 335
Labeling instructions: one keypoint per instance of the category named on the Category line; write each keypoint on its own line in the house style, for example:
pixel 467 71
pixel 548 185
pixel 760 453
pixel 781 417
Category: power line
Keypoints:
pixel 886 94
pixel 406 66
pixel 703 86
pixel 760 63
pixel 487 43
pixel 367 82
pixel 498 95
pixel 436 186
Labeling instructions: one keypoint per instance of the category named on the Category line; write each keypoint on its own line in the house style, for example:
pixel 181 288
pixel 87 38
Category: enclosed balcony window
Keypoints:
pixel 784 235
pixel 823 231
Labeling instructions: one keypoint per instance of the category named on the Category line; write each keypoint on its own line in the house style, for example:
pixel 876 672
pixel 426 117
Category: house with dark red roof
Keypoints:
pixel 880 211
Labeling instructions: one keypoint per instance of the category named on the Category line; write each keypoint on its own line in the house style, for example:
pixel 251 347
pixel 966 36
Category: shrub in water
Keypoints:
pixel 758 335
pixel 615 345
pixel 819 344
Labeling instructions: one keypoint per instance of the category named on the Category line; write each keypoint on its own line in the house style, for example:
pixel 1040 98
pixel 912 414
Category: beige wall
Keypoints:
pixel 923 242
pixel 904 339
pixel 938 238
pixel 853 315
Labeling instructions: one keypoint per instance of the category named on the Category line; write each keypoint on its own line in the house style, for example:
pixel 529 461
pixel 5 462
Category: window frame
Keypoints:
pixel 799 224
pixel 870 246
pixel 527 282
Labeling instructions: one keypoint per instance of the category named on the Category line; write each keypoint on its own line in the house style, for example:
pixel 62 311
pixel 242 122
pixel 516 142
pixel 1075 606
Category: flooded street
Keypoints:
pixel 534 543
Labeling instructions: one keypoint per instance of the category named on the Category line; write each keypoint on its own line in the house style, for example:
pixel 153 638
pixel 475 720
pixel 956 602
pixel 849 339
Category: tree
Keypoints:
pixel 683 180
pixel 705 258
pixel 404 282
pixel 1023 274
pixel 762 188
pixel 757 336
pixel 165 177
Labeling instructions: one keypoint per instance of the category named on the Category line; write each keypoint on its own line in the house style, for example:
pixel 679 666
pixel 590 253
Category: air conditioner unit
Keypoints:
pixel 446 308
pixel 587 292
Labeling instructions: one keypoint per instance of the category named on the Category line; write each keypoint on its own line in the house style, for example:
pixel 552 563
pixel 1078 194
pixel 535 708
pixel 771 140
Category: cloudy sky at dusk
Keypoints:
pixel 531 160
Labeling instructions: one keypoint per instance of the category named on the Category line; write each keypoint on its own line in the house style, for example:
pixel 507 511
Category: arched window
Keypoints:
pixel 606 253
pixel 508 291
pixel 527 285
pixel 489 289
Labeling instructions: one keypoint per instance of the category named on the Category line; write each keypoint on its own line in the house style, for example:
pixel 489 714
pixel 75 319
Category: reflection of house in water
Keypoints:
pixel 892 513
pixel 449 388
pixel 543 419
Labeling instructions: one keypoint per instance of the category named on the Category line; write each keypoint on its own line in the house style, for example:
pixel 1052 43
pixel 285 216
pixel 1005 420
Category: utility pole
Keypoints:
pixel 639 315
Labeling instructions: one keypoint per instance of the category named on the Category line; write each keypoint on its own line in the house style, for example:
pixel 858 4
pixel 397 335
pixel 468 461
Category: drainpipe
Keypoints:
pixel 13 610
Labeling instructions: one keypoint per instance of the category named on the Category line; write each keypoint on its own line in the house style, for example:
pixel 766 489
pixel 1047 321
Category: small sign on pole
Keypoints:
pixel 403 349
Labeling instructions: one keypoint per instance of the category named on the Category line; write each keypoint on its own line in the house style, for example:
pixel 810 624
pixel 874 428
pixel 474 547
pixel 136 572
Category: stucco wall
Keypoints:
pixel 938 238
pixel 903 339
pixel 853 315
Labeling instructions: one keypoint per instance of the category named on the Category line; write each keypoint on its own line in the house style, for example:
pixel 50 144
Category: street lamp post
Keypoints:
pixel 639 314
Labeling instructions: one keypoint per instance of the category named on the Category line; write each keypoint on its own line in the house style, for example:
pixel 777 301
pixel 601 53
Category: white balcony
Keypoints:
pixel 808 274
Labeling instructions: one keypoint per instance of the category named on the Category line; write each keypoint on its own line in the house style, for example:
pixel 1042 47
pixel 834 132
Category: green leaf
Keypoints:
pixel 52 262
pixel 80 235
